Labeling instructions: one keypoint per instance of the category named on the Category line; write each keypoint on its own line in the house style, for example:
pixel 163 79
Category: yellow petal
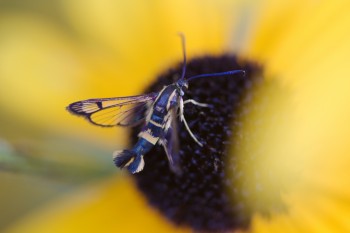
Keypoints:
pixel 111 206
pixel 305 45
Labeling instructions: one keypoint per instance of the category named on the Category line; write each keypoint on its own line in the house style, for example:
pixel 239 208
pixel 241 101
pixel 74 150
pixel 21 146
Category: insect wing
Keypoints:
pixel 170 142
pixel 119 111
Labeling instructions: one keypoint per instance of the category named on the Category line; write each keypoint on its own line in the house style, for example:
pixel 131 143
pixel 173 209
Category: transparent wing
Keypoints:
pixel 170 142
pixel 119 111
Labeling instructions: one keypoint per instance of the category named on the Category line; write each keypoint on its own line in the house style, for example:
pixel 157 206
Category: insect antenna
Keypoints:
pixel 183 42
pixel 231 72
pixel 181 80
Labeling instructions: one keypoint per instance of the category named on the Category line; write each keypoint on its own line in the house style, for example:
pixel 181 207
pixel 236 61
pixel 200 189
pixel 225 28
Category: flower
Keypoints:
pixel 307 151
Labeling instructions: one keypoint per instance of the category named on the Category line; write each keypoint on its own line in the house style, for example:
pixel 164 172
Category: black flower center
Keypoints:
pixel 204 196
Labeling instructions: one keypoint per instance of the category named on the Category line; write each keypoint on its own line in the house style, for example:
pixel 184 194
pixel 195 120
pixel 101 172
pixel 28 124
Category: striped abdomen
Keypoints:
pixel 152 132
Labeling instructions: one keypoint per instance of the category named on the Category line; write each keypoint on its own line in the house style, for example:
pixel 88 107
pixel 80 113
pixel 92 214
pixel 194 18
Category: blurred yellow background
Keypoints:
pixel 53 53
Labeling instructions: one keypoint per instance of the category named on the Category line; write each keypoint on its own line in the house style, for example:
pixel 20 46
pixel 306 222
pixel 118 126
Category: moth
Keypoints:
pixel 157 111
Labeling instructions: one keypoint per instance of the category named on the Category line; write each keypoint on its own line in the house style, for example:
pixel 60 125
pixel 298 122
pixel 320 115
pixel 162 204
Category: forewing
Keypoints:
pixel 120 111
pixel 170 142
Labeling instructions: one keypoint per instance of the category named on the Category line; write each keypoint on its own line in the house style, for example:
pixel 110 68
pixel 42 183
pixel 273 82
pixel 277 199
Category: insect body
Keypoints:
pixel 158 123
pixel 157 111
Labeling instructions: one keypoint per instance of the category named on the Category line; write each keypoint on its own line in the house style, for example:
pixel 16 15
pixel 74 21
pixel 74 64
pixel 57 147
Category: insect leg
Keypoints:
pixel 189 131
pixel 192 101
pixel 182 118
